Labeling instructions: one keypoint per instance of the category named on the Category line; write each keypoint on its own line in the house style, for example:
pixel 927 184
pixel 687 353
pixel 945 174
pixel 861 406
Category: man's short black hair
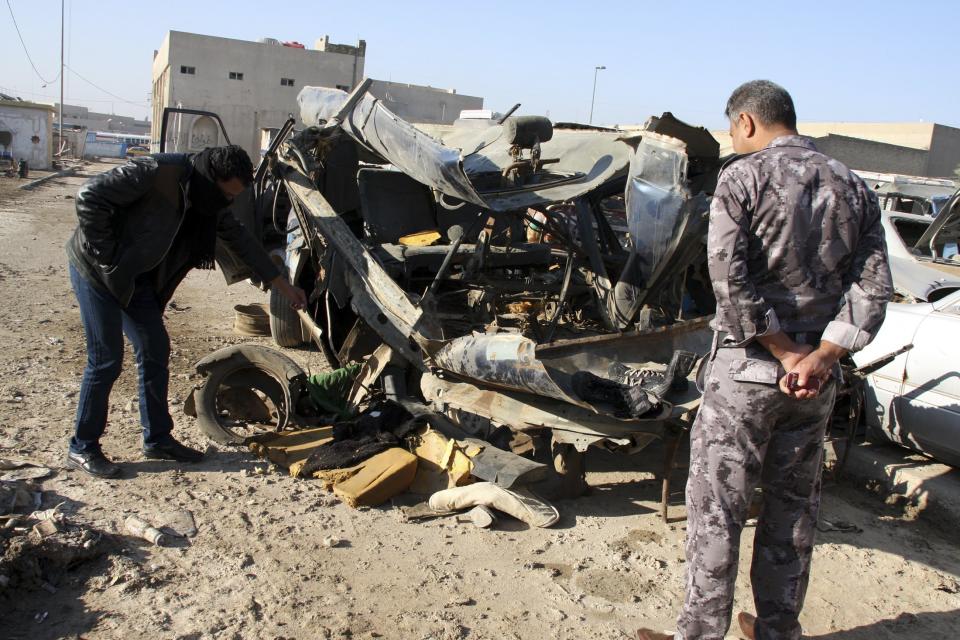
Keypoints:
pixel 767 101
pixel 231 162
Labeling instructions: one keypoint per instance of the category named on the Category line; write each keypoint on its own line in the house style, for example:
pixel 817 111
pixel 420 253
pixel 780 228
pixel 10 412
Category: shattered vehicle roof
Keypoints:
pixel 455 166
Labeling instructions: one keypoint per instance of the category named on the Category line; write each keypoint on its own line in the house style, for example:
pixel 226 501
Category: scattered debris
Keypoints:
pixel 41 546
pixel 143 529
pixel 839 526
pixel 27 473
pixel 521 503
pixel 251 320
pixel 179 523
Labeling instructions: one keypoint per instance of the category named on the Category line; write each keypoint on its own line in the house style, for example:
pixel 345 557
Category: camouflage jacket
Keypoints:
pixel 795 244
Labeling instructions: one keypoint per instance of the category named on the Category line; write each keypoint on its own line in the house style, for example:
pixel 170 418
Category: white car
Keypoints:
pixel 915 399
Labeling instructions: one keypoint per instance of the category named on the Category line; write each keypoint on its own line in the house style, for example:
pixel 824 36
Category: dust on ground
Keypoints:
pixel 258 568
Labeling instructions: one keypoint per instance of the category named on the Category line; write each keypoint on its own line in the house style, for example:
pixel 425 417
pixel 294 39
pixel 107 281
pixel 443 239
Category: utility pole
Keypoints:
pixel 593 97
pixel 60 150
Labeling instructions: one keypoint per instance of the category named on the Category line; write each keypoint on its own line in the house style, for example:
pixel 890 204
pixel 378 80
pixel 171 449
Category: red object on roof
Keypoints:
pixel 294 44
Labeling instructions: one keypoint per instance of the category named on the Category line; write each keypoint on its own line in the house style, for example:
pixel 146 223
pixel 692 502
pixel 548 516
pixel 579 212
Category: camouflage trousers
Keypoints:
pixel 749 434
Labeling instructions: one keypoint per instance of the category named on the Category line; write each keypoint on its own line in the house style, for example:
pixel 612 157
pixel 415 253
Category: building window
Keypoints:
pixel 343 87
pixel 236 75
pixel 286 82
pixel 190 71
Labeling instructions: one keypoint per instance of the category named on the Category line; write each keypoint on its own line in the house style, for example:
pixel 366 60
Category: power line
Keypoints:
pixel 95 86
pixel 24 44
pixel 15 91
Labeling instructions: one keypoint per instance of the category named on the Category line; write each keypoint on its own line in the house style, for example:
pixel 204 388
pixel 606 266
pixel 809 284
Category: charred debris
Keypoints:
pixel 520 289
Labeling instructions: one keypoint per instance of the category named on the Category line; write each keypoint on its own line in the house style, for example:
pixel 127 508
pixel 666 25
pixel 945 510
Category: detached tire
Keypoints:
pixel 285 326
pixel 241 382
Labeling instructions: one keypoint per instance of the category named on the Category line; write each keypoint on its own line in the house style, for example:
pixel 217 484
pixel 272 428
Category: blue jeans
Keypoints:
pixel 105 322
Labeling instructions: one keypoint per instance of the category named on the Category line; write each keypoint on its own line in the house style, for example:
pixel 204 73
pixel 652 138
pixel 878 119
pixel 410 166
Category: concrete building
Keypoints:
pixel 77 116
pixel 911 148
pixel 26 133
pixel 253 87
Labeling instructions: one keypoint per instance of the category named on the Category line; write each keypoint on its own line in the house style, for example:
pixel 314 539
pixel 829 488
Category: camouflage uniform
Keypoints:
pixel 795 245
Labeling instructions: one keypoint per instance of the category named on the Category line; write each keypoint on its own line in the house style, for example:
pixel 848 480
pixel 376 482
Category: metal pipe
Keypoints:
pixel 562 301
pixel 593 97
pixel 61 76
pixel 508 113
pixel 315 331
pixel 448 259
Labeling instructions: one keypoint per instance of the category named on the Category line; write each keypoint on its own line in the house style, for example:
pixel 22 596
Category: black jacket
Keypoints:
pixel 129 218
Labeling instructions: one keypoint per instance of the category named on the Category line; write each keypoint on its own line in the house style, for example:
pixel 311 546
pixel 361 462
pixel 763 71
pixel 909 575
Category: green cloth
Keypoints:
pixel 328 391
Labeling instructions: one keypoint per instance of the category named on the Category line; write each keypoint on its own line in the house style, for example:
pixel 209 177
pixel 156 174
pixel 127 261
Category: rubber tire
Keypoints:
pixel 273 364
pixel 285 328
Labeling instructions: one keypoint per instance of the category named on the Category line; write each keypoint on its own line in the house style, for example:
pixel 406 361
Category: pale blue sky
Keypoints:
pixel 876 61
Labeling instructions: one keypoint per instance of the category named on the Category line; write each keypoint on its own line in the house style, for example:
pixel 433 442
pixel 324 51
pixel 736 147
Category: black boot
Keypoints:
pixel 171 450
pixel 94 463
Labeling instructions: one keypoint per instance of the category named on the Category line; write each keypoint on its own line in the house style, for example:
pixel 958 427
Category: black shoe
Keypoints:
pixel 94 463
pixel 172 450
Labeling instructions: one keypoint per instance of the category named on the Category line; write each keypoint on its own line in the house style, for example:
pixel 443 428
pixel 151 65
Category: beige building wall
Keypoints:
pixel 915 135
pixel 251 85
pixel 26 132
pixel 943 158
pixel 927 149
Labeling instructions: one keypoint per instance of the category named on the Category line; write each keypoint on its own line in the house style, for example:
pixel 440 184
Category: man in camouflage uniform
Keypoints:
pixel 799 268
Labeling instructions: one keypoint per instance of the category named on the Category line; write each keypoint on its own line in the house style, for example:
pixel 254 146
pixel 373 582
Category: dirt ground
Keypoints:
pixel 258 568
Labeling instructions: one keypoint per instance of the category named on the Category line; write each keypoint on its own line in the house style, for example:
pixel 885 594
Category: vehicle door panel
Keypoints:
pixel 884 386
pixel 930 405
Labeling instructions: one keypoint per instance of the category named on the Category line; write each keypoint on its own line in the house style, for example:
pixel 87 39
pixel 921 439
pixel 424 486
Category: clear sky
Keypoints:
pixel 853 61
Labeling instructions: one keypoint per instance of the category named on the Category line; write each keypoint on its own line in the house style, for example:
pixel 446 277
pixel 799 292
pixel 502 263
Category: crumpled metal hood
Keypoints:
pixel 461 165
pixel 920 281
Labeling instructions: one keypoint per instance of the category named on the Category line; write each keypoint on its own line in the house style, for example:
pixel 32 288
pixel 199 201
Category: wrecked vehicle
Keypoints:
pixel 541 287
pixel 923 251
pixel 911 399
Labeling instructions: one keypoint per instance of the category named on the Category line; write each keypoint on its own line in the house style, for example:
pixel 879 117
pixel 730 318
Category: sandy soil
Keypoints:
pixel 258 568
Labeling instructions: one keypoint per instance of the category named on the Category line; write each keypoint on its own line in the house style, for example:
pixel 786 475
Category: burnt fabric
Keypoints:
pixel 365 436
pixel 626 401
pixel 347 453
pixel 384 416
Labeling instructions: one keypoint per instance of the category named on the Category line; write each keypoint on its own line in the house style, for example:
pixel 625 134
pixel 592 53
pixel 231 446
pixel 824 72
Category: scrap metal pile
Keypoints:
pixel 524 286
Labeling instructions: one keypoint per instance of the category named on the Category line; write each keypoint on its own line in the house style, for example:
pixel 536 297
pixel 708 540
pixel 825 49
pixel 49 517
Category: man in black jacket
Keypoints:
pixel 142 227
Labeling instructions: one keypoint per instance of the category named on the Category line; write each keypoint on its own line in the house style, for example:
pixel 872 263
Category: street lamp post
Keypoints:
pixel 593 97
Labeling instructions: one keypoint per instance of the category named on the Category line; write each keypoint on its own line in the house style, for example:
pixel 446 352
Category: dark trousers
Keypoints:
pixel 105 322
